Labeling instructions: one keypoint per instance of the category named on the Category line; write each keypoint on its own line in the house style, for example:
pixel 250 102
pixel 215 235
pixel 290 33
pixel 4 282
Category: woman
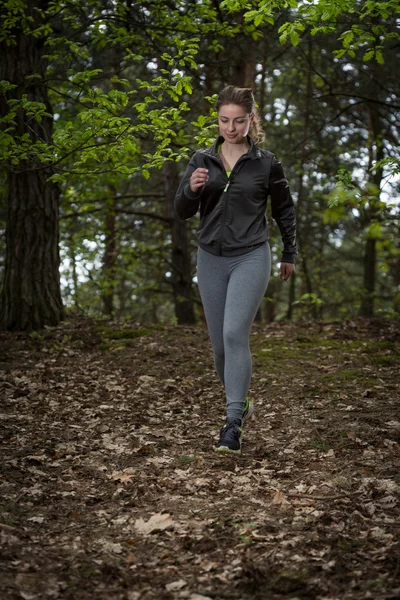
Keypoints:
pixel 230 182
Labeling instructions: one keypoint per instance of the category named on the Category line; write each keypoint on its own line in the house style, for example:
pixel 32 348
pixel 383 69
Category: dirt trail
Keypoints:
pixel 110 488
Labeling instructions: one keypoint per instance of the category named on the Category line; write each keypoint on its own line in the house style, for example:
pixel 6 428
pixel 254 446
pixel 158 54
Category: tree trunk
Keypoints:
pixel 264 70
pixel 31 296
pixel 376 153
pixel 72 256
pixel 110 256
pixel 301 235
pixel 245 68
pixel 292 297
pixel 180 259
pixel 367 306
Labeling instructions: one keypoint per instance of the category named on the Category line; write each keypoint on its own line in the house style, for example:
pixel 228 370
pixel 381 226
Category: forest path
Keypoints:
pixel 110 488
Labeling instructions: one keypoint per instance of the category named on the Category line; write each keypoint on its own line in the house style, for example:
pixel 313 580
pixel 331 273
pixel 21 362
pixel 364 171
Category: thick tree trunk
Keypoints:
pixel 31 295
pixel 180 259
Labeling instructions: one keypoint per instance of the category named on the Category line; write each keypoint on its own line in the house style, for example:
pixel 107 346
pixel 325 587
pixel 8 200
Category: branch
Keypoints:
pixel 362 99
pixel 139 213
pixel 123 196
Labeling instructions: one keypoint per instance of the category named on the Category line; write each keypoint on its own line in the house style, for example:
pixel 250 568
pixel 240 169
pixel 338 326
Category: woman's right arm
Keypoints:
pixel 187 197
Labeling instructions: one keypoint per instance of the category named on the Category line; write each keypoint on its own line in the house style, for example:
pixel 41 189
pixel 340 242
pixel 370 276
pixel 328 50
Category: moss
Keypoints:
pixel 349 374
pixel 104 347
pixel 342 375
pixel 277 352
pixel 385 361
pixel 373 347
pixel 125 344
pixel 186 460
pixel 369 346
pixel 287 582
pixel 313 343
pixel 122 334
pixel 320 446
pixel 346 545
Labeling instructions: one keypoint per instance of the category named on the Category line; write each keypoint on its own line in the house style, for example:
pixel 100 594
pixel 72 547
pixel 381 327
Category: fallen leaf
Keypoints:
pixel 388 502
pixel 111 547
pixel 120 476
pixel 36 519
pixel 279 498
pixel 175 585
pixel 158 522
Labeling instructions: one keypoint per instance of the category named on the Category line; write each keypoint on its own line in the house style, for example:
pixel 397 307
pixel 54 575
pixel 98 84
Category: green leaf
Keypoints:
pixel 294 38
pixel 368 55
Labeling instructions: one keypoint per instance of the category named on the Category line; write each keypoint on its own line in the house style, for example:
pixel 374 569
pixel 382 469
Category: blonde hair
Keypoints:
pixel 243 97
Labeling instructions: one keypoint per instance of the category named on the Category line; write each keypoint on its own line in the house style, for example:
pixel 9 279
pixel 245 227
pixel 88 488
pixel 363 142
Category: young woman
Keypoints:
pixel 231 182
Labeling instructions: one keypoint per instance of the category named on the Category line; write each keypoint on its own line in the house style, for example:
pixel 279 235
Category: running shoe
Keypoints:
pixel 229 437
pixel 248 410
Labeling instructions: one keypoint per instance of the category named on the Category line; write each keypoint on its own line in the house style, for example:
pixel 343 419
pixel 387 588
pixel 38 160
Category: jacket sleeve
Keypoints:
pixel 187 202
pixel 283 210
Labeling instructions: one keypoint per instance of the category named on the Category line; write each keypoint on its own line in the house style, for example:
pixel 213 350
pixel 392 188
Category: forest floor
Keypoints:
pixel 111 489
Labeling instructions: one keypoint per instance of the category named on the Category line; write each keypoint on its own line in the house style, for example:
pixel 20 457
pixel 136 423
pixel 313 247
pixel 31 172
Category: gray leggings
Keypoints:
pixel 231 290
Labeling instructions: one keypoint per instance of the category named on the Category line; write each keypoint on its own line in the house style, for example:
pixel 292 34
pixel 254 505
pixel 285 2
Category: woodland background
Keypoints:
pixel 109 485
pixel 102 103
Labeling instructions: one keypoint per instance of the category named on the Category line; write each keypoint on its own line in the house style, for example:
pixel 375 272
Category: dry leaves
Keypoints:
pixel 111 488
pixel 157 522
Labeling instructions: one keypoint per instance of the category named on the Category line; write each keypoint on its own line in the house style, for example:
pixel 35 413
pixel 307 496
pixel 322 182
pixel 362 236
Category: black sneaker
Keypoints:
pixel 229 437
pixel 248 410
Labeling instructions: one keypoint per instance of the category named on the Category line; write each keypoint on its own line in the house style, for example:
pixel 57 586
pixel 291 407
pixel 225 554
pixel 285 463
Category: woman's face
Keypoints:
pixel 234 123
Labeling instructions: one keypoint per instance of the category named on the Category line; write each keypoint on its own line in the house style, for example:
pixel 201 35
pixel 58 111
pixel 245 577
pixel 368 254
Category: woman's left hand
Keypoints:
pixel 287 269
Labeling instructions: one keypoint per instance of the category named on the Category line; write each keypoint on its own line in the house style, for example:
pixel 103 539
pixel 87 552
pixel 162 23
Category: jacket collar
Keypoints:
pixel 253 152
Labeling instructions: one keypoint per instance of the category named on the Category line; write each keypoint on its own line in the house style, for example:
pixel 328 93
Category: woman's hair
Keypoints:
pixel 243 97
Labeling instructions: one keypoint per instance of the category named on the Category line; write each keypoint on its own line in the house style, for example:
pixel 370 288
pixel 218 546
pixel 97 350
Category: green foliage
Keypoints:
pixel 125 103
pixel 307 303
pixel 106 140
pixel 323 17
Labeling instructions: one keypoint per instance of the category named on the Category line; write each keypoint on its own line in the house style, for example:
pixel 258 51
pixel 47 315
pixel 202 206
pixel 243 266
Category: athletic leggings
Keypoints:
pixel 231 290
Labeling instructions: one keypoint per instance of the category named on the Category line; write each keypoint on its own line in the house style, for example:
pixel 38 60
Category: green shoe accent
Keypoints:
pixel 248 410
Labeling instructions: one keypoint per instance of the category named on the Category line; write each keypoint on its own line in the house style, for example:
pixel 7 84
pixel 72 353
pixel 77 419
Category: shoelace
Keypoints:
pixel 231 431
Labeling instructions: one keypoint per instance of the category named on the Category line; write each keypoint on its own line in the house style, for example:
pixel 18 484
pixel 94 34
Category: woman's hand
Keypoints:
pixel 198 178
pixel 287 269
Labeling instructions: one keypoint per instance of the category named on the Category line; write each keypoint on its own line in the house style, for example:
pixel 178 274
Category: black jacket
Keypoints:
pixel 232 210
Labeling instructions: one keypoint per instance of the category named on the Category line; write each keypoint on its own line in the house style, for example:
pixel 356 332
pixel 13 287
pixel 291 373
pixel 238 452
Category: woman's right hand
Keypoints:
pixel 197 179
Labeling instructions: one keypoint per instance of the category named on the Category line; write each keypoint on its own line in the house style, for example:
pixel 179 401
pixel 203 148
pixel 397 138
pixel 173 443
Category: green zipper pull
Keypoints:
pixel 226 187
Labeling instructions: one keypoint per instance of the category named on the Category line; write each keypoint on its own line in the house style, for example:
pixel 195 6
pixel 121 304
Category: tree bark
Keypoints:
pixel 367 306
pixel 180 258
pixel 292 297
pixel 376 153
pixel 31 296
pixel 301 235
pixel 110 255
pixel 245 68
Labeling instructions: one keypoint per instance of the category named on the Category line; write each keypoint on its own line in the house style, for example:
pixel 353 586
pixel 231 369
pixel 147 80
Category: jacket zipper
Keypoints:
pixel 225 204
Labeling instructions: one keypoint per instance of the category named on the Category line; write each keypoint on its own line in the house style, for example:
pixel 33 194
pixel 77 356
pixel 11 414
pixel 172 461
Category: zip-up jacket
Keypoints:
pixel 232 209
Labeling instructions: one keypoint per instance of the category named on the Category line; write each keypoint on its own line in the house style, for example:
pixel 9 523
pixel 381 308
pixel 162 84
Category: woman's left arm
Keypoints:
pixel 283 212
pixel 287 270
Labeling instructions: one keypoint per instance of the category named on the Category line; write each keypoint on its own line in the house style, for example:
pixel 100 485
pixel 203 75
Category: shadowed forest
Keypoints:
pixel 110 405
pixel 102 104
